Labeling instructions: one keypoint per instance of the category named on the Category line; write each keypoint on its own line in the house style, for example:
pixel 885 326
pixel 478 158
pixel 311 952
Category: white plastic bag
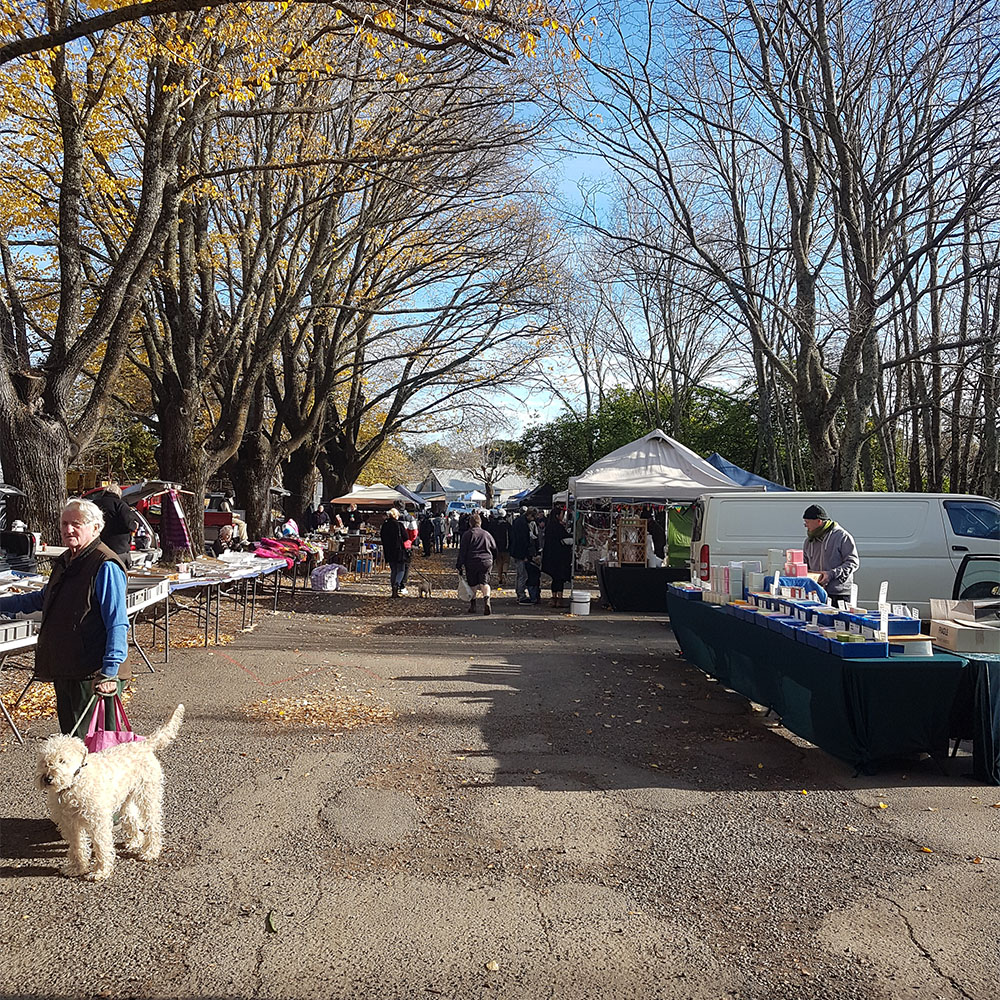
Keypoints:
pixel 465 592
pixel 326 577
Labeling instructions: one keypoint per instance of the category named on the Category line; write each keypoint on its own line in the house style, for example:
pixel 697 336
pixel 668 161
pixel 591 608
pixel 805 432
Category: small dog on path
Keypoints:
pixel 85 790
pixel 423 585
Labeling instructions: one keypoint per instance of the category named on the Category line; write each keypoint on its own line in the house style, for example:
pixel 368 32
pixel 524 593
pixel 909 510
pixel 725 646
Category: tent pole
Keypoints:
pixel 572 528
pixel 613 541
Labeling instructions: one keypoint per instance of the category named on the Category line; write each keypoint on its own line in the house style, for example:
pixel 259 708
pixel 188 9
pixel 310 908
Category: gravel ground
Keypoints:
pixel 394 799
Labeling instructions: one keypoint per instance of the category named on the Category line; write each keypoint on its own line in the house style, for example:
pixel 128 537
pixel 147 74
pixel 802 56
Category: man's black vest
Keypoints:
pixel 73 638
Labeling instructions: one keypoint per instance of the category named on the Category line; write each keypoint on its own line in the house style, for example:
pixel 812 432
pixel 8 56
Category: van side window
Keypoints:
pixel 973 519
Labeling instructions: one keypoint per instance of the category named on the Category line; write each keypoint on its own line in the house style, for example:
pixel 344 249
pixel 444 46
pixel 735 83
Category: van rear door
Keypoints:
pixel 971 526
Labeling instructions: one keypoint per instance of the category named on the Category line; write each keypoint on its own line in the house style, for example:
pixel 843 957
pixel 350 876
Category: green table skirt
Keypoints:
pixel 863 711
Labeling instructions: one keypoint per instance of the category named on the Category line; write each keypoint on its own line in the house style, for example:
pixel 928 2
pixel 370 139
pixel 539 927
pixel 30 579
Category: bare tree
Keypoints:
pixel 836 144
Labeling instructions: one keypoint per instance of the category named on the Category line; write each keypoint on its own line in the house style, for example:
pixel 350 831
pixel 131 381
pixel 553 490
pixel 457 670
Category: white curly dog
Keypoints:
pixel 85 790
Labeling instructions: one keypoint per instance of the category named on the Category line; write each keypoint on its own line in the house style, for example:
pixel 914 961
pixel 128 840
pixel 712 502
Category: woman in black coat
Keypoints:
pixel 475 560
pixel 392 534
pixel 557 554
pixel 425 530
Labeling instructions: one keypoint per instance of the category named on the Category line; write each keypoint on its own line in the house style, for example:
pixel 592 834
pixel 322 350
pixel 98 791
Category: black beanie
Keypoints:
pixel 814 511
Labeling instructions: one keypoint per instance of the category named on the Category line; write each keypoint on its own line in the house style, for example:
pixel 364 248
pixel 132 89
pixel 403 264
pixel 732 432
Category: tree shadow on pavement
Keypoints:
pixel 598 712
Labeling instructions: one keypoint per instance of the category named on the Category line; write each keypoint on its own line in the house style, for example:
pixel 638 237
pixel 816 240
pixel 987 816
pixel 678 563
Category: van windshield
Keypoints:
pixel 974 519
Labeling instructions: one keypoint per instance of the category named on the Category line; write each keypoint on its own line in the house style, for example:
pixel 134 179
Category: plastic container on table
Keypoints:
pixel 859 650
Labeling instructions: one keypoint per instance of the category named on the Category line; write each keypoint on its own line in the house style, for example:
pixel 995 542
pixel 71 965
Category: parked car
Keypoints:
pixel 146 549
pixel 915 541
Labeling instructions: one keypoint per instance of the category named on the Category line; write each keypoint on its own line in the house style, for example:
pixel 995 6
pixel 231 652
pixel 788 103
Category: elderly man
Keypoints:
pixel 830 551
pixel 224 541
pixel 83 639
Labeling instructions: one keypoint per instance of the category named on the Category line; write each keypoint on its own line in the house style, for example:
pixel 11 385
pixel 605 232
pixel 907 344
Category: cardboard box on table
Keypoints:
pixel 965 637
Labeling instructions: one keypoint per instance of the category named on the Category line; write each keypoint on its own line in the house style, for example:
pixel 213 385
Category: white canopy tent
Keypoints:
pixel 655 468
pixel 376 495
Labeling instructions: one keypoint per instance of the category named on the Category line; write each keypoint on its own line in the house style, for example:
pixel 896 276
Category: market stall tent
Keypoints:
pixel 655 468
pixel 376 495
pixel 738 475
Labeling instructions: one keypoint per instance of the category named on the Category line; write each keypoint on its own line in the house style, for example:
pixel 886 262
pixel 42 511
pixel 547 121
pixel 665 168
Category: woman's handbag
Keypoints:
pixel 98 738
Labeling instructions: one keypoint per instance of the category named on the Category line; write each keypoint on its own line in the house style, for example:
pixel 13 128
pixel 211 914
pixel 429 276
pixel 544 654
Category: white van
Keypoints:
pixel 916 541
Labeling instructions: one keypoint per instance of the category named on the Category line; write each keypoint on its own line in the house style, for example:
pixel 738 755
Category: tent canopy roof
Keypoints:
pixel 376 495
pixel 654 467
pixel 411 495
pixel 741 476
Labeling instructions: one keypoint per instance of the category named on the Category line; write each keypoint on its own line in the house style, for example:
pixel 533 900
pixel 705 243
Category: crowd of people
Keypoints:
pixel 533 543
pixel 491 547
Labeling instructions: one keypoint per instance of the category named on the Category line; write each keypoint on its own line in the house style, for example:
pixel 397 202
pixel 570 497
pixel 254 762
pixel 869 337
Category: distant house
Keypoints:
pixel 455 483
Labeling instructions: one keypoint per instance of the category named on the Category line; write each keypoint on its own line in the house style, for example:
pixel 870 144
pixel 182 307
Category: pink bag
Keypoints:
pixel 98 738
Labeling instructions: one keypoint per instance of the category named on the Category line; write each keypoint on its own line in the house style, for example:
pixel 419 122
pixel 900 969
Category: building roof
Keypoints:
pixel 460 481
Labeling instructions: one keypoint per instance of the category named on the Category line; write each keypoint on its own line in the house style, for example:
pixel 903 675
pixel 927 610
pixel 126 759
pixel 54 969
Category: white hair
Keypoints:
pixel 90 513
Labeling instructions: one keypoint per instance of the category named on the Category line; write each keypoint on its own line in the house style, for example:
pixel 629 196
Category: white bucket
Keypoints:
pixel 579 602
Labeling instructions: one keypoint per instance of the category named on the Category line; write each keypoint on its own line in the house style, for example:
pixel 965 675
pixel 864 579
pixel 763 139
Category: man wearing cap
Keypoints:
pixel 830 551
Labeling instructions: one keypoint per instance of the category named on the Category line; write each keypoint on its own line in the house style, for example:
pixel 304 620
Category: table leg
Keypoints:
pixel 218 603
pixel 140 650
pixel 24 691
pixel 10 722
pixel 207 607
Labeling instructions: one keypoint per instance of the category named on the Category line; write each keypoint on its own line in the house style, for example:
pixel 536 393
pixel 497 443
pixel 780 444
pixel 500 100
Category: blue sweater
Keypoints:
pixel 109 589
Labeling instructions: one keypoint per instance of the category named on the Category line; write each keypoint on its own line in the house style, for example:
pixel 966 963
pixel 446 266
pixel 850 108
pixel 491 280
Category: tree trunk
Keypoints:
pixel 341 467
pixel 36 454
pixel 299 475
pixel 252 470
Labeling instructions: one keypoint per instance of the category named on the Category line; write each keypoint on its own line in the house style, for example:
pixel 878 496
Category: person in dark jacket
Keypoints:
pixel 224 541
pixel 440 523
pixel 500 530
pixel 475 560
pixel 354 519
pixel 425 529
pixel 657 535
pixel 119 521
pixel 557 554
pixel 519 540
pixel 83 640
pixel 392 535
